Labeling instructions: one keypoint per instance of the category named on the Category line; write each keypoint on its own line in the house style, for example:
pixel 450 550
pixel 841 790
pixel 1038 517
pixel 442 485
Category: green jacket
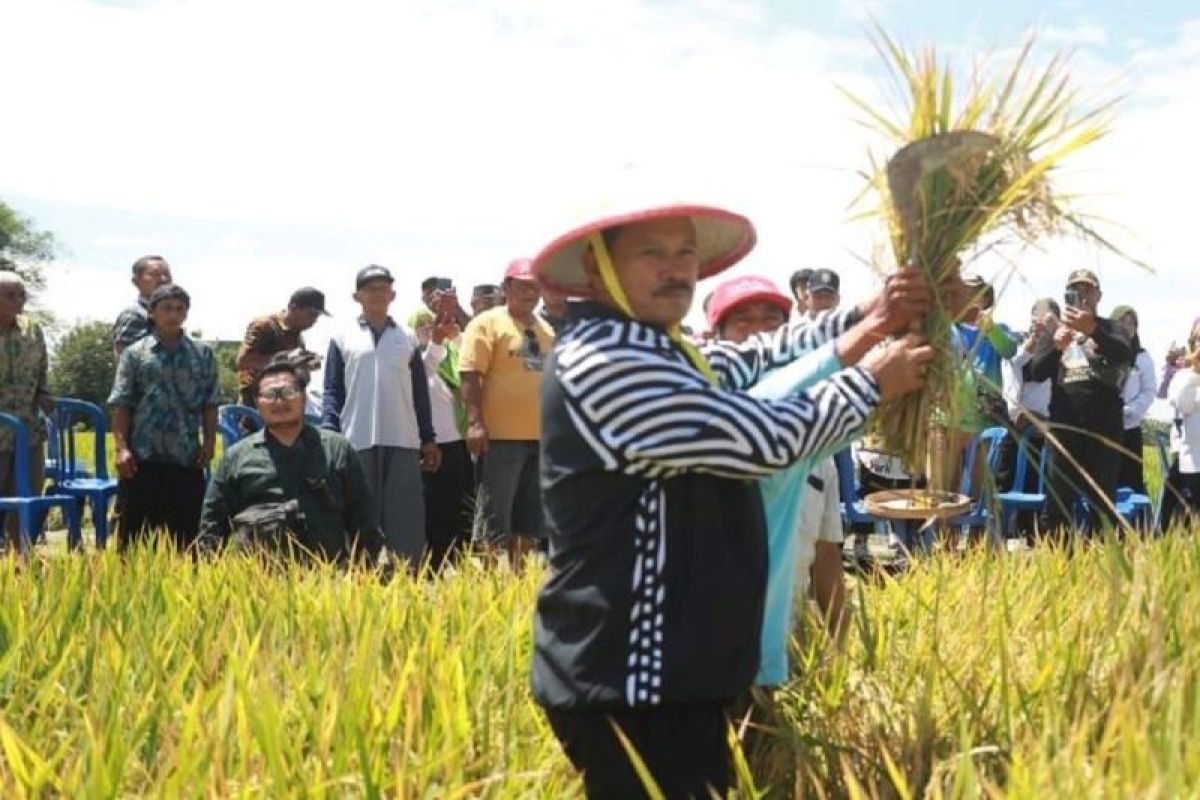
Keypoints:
pixel 320 470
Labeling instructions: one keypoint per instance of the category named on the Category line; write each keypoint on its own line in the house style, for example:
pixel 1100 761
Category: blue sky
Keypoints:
pixel 262 144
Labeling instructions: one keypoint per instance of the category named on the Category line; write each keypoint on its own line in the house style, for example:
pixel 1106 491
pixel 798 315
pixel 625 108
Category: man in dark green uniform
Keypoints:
pixel 291 487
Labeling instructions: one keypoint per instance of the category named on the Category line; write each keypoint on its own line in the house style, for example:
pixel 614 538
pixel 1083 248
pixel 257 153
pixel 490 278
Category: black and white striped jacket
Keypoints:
pixel 657 534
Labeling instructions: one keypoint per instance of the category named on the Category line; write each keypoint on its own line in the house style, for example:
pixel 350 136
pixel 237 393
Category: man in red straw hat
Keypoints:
pixel 649 620
pixel 503 353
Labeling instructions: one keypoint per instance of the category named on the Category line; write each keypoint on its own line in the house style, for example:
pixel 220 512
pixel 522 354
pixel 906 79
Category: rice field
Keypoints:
pixel 1027 674
pixel 1035 674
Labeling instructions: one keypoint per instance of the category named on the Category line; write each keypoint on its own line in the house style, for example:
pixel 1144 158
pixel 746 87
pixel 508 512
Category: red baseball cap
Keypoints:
pixel 745 289
pixel 520 269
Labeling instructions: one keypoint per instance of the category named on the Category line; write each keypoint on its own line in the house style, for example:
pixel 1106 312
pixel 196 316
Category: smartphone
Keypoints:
pixel 444 284
pixel 1073 299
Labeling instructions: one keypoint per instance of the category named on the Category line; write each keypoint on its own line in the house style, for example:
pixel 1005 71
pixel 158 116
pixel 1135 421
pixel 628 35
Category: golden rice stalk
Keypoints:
pixel 966 165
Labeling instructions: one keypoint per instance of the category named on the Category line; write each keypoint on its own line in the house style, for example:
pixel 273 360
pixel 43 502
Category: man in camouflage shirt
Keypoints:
pixel 23 388
pixel 165 391
pixel 276 333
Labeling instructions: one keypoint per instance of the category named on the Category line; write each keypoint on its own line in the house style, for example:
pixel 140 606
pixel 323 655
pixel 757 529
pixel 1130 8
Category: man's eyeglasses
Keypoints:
pixel 532 347
pixel 279 393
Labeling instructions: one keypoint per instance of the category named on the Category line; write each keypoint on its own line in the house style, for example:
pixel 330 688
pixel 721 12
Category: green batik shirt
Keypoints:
pixel 22 378
pixel 166 390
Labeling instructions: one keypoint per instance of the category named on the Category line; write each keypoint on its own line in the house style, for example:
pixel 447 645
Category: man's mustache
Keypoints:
pixel 671 287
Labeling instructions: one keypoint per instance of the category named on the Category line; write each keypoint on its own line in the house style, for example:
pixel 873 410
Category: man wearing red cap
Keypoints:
pixel 649 619
pixel 503 353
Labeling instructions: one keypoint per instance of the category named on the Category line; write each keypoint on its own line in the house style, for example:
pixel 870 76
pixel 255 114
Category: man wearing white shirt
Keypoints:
pixel 377 395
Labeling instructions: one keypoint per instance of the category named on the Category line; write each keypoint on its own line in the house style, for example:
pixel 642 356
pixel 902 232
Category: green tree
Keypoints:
pixel 83 364
pixel 226 353
pixel 23 248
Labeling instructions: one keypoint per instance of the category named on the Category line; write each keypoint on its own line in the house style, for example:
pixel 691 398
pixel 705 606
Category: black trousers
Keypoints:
pixel 160 497
pixel 1093 450
pixel 448 504
pixel 1181 497
pixel 683 746
pixel 1132 474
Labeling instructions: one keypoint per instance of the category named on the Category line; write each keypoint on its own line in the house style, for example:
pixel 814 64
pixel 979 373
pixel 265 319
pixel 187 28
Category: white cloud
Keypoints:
pixel 467 131
pixel 1082 34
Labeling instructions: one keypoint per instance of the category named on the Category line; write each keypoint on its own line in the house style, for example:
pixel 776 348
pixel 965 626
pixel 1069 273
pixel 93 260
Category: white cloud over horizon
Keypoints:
pixel 470 131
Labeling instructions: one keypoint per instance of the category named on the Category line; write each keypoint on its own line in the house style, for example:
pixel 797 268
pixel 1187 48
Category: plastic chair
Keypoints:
pixel 1016 498
pixel 854 511
pixel 76 482
pixel 1134 507
pixel 229 420
pixel 30 506
pixel 979 515
pixel 52 456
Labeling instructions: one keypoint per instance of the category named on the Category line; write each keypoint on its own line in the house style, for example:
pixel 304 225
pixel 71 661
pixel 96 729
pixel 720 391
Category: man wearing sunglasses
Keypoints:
pixel 503 353
pixel 306 484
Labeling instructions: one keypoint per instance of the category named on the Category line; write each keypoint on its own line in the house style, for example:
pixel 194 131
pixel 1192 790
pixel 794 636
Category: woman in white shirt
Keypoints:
pixel 1182 498
pixel 1140 388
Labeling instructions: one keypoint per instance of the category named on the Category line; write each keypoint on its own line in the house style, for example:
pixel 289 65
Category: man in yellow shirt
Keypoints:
pixel 503 352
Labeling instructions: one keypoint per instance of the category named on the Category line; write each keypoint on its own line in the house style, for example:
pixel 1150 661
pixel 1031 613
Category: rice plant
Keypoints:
pixel 969 164
pixel 1040 674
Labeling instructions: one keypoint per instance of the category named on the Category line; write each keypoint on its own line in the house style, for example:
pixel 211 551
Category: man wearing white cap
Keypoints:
pixel 503 354
pixel 649 619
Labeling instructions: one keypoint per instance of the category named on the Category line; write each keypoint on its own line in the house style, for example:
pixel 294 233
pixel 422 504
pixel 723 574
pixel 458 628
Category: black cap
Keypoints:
pixel 484 289
pixel 824 280
pixel 800 278
pixel 372 272
pixel 308 297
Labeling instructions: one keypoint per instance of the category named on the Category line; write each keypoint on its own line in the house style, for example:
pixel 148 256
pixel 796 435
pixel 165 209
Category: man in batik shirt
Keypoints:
pixel 165 392
pixel 149 272
pixel 23 389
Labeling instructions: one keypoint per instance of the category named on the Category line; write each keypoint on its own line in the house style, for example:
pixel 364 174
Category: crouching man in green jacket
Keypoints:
pixel 291 487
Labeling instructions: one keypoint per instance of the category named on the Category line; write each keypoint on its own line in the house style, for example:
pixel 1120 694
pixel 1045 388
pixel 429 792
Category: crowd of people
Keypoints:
pixel 681 483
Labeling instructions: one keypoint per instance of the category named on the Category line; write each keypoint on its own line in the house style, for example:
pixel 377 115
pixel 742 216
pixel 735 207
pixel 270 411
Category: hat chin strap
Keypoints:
pixel 612 284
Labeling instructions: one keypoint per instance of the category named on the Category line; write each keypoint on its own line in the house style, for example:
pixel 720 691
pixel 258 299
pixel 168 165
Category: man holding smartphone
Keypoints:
pixel 1087 365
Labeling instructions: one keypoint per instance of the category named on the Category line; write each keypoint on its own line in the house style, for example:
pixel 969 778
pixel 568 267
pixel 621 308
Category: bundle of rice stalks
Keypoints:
pixel 969 167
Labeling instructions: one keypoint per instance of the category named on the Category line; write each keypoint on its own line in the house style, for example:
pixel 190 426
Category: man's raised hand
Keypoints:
pixel 900 366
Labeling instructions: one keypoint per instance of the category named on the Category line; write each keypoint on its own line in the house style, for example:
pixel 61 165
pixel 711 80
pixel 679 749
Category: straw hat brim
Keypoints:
pixel 722 239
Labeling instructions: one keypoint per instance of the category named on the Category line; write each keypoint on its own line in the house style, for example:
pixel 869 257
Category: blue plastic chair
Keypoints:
pixel 854 511
pixel 1134 507
pixel 229 419
pixel 1016 498
pixel 31 506
pixel 979 515
pixel 79 483
pixel 52 455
